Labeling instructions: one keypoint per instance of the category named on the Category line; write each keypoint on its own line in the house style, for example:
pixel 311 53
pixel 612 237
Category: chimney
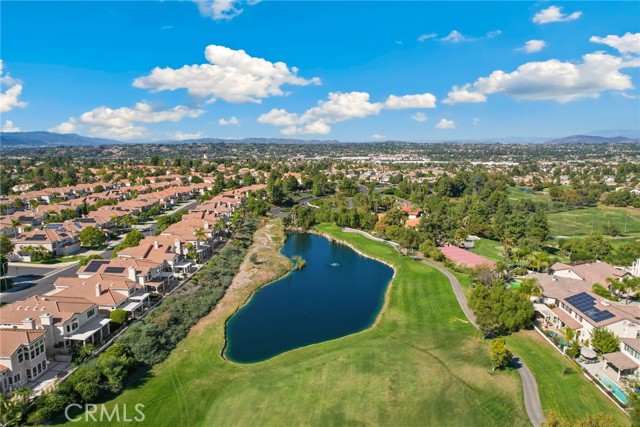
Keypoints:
pixel 178 245
pixel 156 245
pixel 206 225
pixel 46 319
pixel 29 323
pixel 131 273
pixel 98 289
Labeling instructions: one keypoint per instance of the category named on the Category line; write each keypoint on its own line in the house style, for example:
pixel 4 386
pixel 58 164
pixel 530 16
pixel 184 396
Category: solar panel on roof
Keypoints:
pixel 39 237
pixel 114 270
pixel 95 264
pixel 587 304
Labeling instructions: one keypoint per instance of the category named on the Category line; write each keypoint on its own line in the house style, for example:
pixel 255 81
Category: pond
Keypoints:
pixel 337 293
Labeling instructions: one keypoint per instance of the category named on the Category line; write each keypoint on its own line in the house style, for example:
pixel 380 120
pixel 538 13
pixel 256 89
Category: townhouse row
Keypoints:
pixel 36 331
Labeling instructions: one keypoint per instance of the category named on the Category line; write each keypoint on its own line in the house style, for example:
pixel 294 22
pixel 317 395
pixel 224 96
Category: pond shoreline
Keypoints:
pixel 331 240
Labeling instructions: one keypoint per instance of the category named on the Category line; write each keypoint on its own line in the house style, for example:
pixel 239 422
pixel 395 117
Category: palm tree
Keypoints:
pixel 539 261
pixel 625 286
pixel 200 234
pixel 530 288
pixel 15 223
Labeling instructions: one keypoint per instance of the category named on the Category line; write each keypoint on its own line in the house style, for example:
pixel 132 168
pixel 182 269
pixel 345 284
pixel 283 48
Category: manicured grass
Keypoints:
pixel 571 396
pixel 581 222
pixel 71 258
pixel 421 364
pixel 517 194
pixel 491 249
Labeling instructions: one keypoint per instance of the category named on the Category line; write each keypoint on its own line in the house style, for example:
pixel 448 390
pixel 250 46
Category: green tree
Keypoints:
pixel 119 316
pixel 92 237
pixel 604 341
pixel 14 407
pixel 499 354
pixel 6 246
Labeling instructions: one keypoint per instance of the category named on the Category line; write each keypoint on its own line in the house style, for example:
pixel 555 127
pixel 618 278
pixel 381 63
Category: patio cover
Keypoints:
pixel 588 353
pixel 566 319
pixel 620 361
pixel 131 306
pixel 88 329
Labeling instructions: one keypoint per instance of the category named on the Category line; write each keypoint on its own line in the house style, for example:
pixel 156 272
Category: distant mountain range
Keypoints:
pixel 589 139
pixel 49 139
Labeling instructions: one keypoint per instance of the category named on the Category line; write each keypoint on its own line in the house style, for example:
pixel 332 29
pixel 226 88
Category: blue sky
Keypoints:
pixel 352 71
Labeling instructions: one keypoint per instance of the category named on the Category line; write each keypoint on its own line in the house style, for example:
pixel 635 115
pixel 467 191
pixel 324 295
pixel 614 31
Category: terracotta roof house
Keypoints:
pixel 66 320
pixel 22 356
pixel 60 243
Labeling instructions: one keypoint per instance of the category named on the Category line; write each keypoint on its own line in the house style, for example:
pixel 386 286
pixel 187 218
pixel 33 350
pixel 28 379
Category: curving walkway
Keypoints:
pixel 529 386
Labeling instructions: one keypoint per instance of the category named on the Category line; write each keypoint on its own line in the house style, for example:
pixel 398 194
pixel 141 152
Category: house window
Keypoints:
pixel 16 377
pixel 91 312
pixel 29 372
pixel 20 356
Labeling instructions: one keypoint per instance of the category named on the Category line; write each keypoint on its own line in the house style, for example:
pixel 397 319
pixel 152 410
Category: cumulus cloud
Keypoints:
pixel 419 117
pixel 454 36
pixel 533 46
pixel 233 121
pixel 627 44
pixel 463 94
pixel 554 14
pixel 10 91
pixel 121 123
pixel 553 80
pixel 180 136
pixel 446 124
pixel 377 136
pixel 340 107
pixel 475 121
pixel 424 100
pixel 222 10
pixel 231 75
pixel 8 126
pixel 427 36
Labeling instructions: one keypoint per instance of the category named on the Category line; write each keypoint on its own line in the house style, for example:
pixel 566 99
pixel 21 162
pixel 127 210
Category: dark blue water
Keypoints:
pixel 312 305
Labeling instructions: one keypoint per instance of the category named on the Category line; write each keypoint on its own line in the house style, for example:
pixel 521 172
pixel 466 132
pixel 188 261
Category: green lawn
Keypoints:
pixel 571 396
pixel 580 222
pixel 422 364
pixel 491 249
pixel 517 194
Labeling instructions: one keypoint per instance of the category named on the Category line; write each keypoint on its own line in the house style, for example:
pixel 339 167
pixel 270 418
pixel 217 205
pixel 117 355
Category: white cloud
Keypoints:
pixel 475 121
pixel 119 123
pixel 554 80
pixel 446 124
pixel 66 127
pixel 428 36
pixel 533 46
pixel 8 126
pixel 420 117
pixel 455 36
pixel 554 14
pixel 399 42
pixel 629 43
pixel 10 91
pixel 232 75
pixel 463 94
pixel 233 121
pixel 222 10
pixel 377 136
pixel 180 136
pixel 340 107
pixel 424 100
